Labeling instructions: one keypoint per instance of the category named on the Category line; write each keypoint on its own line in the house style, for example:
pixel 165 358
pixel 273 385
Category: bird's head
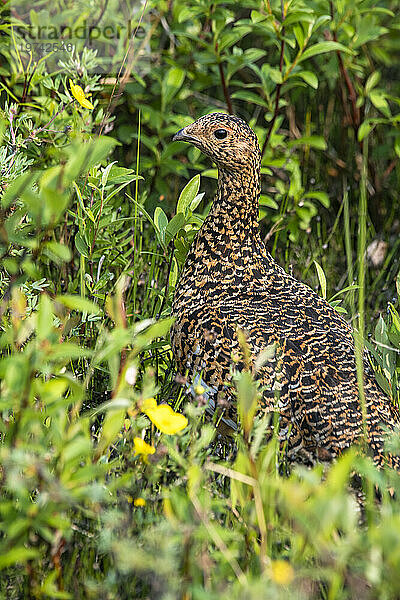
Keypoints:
pixel 226 139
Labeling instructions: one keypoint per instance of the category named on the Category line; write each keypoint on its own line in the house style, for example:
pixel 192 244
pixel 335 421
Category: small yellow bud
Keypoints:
pixel 148 403
pixel 141 447
pixel 282 572
pixel 139 502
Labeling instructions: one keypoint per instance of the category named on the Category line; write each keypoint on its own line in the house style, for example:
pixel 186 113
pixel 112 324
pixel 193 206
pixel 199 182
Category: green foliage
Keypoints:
pixel 98 209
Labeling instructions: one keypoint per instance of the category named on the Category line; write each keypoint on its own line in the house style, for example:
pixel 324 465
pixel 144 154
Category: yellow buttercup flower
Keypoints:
pixel 141 447
pixel 79 95
pixel 139 502
pixel 282 572
pixel 148 403
pixel 165 419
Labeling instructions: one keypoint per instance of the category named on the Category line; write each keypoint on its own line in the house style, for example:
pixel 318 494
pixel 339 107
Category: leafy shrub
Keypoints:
pixel 98 210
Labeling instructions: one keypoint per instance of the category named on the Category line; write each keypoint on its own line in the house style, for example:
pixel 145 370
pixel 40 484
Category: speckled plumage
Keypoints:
pixel 230 281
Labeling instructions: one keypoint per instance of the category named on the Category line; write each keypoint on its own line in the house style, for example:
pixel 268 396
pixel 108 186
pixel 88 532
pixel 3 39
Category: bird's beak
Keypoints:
pixel 184 135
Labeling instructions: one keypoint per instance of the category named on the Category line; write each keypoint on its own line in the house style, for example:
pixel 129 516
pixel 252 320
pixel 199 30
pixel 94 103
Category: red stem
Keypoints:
pixel 224 86
pixel 278 90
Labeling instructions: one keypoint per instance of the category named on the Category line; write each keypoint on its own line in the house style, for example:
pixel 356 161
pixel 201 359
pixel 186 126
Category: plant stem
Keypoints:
pixel 349 84
pixel 278 87
pixel 223 82
pixel 347 242
pixel 359 333
pixel 135 236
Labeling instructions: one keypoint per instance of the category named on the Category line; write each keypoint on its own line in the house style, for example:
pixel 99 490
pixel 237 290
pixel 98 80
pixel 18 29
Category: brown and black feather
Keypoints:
pixel 230 281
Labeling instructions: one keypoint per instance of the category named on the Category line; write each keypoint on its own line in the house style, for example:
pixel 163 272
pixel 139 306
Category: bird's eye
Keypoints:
pixel 220 134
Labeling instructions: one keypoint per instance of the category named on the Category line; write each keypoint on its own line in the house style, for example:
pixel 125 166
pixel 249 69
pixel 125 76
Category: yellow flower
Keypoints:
pixel 79 95
pixel 199 390
pixel 139 502
pixel 165 419
pixel 148 403
pixel 127 424
pixel 141 447
pixel 281 572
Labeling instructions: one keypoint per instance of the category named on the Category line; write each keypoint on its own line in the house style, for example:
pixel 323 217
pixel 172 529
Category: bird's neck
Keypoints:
pixel 237 197
pixel 228 246
pixel 231 227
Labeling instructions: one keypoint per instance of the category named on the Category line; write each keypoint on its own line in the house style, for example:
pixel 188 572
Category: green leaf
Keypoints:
pixel 173 275
pixel 247 400
pixel 321 196
pixel 173 227
pixel 257 17
pixel 213 173
pixel 397 146
pixel 77 448
pixel 114 404
pixel 75 302
pixel 68 351
pixel 314 141
pixel 188 194
pixel 49 588
pixel 268 201
pixel 142 209
pixel 112 424
pixel 364 130
pixel 119 175
pixel 372 81
pixel 275 75
pixel 378 99
pixel 160 220
pixel 322 278
pixel 44 317
pixel 106 173
pixel 309 78
pixel 196 201
pixel 383 383
pixel 81 245
pixel 84 155
pixel 322 48
pixel 17 555
pixel 17 187
pixel 299 35
pixel 387 354
pixel 57 252
pixel 250 97
pixel 171 84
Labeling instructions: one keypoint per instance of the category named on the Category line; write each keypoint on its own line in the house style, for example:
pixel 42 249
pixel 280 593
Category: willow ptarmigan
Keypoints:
pixel 230 281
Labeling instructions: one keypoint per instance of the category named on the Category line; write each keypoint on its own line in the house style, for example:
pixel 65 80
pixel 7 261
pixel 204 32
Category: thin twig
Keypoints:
pixel 167 283
pixel 101 15
pixel 223 83
pixel 349 84
pixel 28 82
pixel 121 84
pixel 218 541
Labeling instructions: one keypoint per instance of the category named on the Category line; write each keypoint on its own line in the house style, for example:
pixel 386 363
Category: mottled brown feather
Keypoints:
pixel 230 281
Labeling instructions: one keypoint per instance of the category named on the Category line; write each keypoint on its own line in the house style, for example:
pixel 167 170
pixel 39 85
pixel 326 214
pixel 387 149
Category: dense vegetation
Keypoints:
pixel 98 209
